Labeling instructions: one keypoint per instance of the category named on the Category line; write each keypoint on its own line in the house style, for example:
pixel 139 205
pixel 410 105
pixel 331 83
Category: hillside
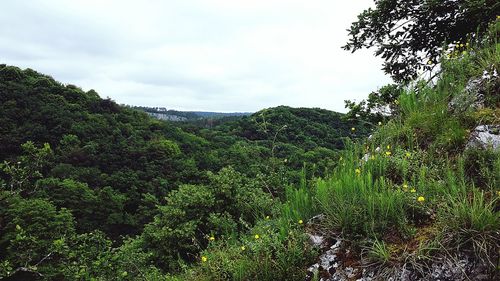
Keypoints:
pixel 404 187
pixel 78 167
pixel 419 199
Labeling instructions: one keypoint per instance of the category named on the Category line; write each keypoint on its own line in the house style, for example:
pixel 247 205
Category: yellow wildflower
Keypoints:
pixel 429 62
pixel 413 190
pixel 204 259
pixel 498 192
pixel 256 236
pixel 211 238
pixel 408 154
pixel 301 221
pixel 421 199
pixel 388 147
pixel 243 248
pixel 353 129
pixel 358 171
pixel 267 217
pixel 388 153
pixel 405 185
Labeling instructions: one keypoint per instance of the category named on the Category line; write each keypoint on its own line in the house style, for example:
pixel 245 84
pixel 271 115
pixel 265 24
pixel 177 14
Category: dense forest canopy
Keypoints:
pixel 103 167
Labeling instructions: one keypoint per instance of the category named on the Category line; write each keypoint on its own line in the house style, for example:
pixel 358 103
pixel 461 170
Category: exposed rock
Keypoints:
pixel 333 266
pixel 473 97
pixel 485 136
pixel 316 240
pixel 327 264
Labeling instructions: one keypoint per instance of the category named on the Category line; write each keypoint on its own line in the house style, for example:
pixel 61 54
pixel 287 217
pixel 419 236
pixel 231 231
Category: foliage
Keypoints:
pixel 90 190
pixel 379 106
pixel 263 254
pixel 410 35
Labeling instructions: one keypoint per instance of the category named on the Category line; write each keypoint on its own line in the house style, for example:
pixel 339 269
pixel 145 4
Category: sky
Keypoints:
pixel 209 55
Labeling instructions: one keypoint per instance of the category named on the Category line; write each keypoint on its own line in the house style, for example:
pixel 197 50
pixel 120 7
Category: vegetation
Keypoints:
pixel 90 190
pixel 78 171
pixel 412 35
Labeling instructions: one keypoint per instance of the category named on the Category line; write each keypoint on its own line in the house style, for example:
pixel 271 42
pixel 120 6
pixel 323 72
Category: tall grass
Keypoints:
pixel 357 202
pixel 298 207
pixel 299 204
pixel 471 222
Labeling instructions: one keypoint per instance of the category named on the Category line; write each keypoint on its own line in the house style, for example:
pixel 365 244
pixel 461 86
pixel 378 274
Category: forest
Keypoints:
pixel 76 166
pixel 404 184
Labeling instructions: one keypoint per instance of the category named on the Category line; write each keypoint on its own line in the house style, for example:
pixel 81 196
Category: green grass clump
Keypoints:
pixel 472 222
pixel 378 252
pixel 299 205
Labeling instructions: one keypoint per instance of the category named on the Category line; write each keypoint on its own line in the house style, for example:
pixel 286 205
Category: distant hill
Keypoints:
pixel 175 115
pixel 307 128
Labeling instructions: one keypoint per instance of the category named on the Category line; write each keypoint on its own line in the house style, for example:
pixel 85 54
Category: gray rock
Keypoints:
pixel 327 262
pixel 472 98
pixel 485 136
pixel 316 240
pixel 332 268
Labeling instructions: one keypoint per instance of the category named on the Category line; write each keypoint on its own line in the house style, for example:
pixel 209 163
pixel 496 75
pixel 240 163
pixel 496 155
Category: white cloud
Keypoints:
pixel 218 55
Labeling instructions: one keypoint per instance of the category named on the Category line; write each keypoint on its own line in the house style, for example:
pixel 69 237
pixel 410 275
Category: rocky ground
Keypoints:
pixel 339 262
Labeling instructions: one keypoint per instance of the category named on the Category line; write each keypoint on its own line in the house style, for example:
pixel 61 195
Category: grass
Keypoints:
pixel 426 179
pixel 268 257
pixel 378 252
pixel 298 204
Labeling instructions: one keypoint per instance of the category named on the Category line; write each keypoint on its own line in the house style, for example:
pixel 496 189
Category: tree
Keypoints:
pixel 28 167
pixel 29 231
pixel 380 105
pixel 410 34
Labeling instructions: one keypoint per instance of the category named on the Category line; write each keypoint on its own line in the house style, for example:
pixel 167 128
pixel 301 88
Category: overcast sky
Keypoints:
pixel 213 55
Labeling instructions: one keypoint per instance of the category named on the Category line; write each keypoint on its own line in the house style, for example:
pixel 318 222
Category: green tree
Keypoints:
pixel 29 231
pixel 409 34
pixel 28 167
pixel 380 105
